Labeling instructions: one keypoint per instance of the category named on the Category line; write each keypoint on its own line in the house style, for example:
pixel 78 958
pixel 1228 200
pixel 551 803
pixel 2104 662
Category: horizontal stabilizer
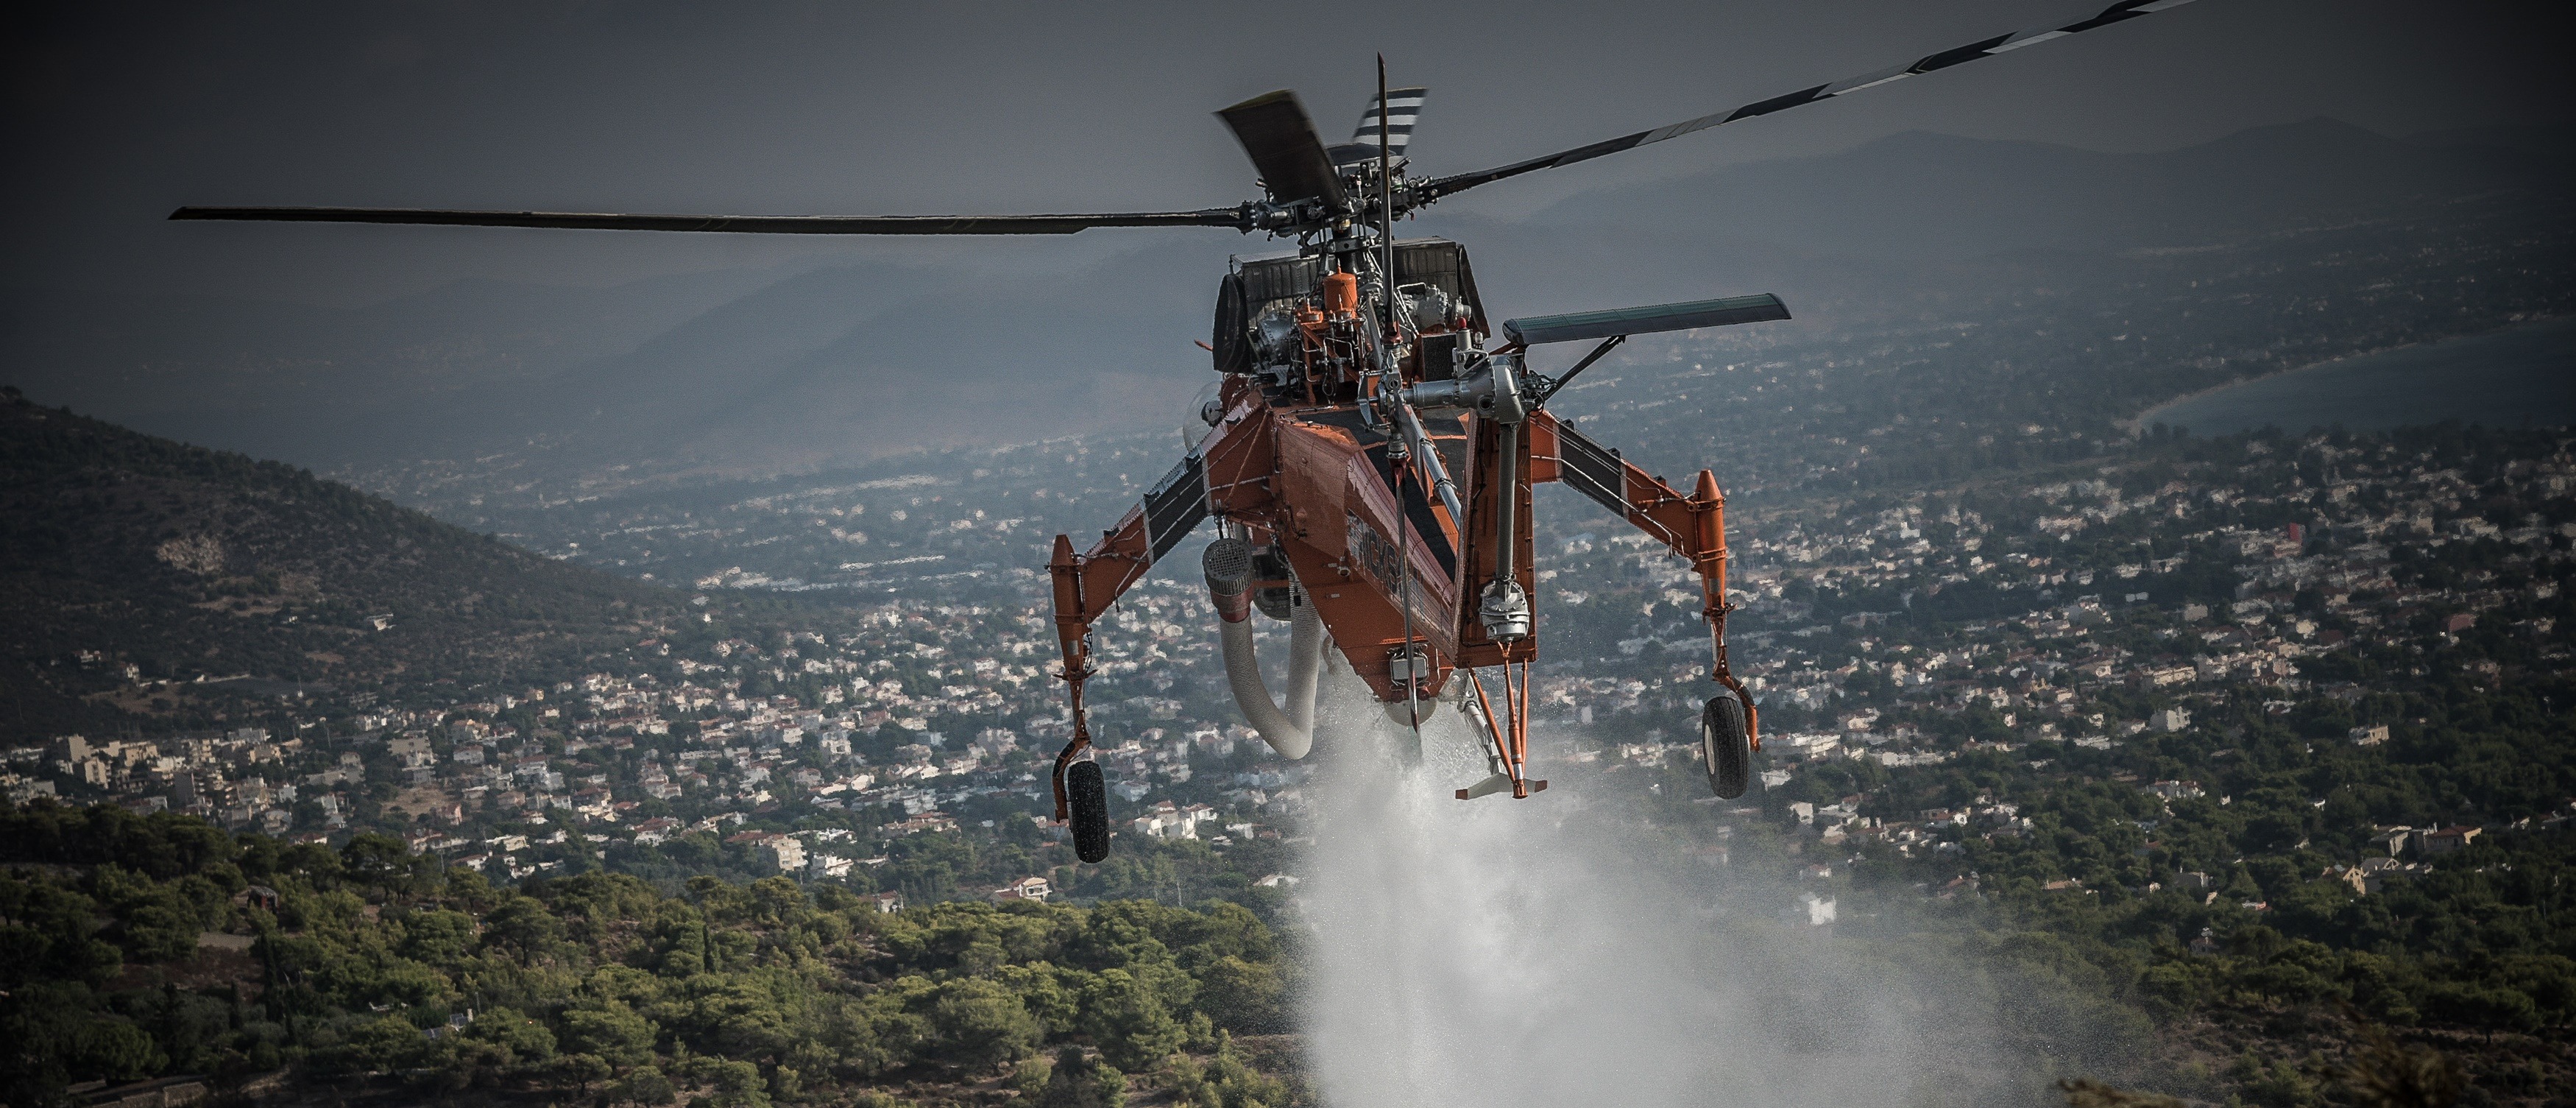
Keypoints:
pixel 1578 326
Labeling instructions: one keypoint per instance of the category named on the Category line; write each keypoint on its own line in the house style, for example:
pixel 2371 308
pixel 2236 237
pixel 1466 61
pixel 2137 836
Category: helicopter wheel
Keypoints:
pixel 1088 797
pixel 1726 746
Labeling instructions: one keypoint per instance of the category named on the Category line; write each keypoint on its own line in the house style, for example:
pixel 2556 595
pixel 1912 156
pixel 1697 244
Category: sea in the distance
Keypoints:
pixel 2523 376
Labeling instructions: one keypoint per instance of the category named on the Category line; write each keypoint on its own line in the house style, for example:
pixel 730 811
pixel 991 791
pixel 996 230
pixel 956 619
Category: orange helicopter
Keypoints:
pixel 1368 456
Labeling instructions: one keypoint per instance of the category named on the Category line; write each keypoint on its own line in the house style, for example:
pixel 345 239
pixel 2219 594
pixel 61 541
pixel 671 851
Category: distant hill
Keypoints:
pixel 410 377
pixel 842 364
pixel 118 548
pixel 752 372
pixel 1927 196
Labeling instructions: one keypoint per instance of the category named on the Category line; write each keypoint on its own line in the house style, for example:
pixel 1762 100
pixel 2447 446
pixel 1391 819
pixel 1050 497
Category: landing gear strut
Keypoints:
pixel 1081 795
pixel 1726 742
pixel 1508 731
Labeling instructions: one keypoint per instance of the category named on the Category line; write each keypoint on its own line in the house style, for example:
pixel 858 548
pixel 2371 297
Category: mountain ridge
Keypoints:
pixel 1920 195
pixel 185 563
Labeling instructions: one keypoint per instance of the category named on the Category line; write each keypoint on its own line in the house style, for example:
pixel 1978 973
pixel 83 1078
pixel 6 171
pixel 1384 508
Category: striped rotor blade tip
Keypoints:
pixel 2120 11
pixel 1402 107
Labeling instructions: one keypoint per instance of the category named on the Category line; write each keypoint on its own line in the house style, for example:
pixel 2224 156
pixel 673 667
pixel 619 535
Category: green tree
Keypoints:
pixel 736 1018
pixel 1226 1082
pixel 385 1043
pixel 1130 1024
pixel 611 1031
pixel 160 933
pixel 865 1038
pixel 737 1083
pixel 1029 1078
pixel 979 1024
pixel 378 859
pixel 1241 996
pixel 437 936
pixel 114 1050
pixel 521 1038
pixel 2281 1085
pixel 1051 994
pixel 1077 1082
pixel 523 925
pixel 581 1071
pixel 643 1085
pixel 2481 1007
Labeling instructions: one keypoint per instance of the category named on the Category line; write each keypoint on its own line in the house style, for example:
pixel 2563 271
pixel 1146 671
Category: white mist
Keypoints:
pixel 1497 952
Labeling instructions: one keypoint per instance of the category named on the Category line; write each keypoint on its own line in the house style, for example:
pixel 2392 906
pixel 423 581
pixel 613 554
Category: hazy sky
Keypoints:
pixel 120 112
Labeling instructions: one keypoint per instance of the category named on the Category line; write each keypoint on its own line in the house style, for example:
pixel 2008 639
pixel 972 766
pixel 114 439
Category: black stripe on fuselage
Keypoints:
pixel 1175 505
pixel 1417 510
pixel 1594 470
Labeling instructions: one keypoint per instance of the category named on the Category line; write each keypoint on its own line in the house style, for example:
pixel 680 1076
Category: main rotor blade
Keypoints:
pixel 2117 13
pixel 1236 218
pixel 1284 147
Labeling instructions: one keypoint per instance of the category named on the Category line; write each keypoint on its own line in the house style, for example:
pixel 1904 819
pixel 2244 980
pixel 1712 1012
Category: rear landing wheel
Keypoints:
pixel 1088 797
pixel 1726 746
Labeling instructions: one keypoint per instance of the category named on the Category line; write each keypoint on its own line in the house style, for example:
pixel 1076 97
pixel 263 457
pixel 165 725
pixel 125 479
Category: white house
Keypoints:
pixel 785 853
pixel 1026 888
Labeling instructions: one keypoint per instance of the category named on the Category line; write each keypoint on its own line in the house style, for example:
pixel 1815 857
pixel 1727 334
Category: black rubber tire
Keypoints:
pixel 1726 746
pixel 1087 794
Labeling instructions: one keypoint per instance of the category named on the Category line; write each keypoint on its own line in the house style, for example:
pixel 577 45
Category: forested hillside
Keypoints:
pixel 376 961
pixel 124 549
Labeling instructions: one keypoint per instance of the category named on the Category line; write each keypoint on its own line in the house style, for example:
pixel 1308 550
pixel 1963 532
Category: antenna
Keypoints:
pixel 1385 199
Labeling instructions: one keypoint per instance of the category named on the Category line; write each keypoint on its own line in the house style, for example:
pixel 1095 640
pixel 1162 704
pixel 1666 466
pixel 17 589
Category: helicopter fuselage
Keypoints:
pixel 1372 459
